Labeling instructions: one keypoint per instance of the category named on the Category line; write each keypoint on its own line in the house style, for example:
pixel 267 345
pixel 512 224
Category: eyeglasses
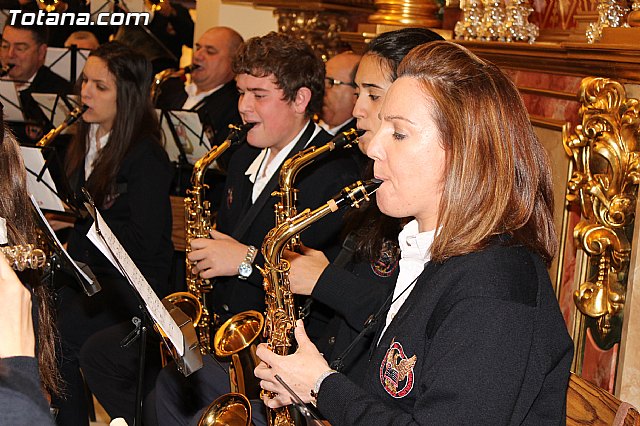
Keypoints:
pixel 330 82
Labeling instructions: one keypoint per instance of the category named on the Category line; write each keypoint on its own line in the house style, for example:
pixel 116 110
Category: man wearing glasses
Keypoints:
pixel 339 93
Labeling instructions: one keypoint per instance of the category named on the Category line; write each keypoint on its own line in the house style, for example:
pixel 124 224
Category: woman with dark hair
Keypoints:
pixel 356 284
pixel 473 332
pixel 27 362
pixel 118 157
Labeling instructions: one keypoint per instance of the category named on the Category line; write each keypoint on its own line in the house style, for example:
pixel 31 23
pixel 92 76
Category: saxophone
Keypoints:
pixel 69 120
pixel 164 75
pixel 237 337
pixel 286 208
pixel 24 257
pixel 281 316
pixel 198 225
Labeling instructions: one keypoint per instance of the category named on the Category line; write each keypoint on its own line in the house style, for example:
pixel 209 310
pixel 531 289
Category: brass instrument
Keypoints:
pixel 198 225
pixel 69 120
pixel 4 70
pixel 24 257
pixel 232 409
pixel 286 208
pixel 281 315
pixel 242 330
pixel 164 75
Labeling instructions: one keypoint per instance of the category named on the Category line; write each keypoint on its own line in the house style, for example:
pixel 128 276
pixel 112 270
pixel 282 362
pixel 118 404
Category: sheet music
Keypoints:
pixel 59 60
pixel 59 245
pixel 190 135
pixel 44 191
pixel 9 95
pixel 153 304
pixel 55 108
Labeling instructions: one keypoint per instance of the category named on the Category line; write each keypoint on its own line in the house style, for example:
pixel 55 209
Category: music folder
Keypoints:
pixel 186 135
pixel 182 337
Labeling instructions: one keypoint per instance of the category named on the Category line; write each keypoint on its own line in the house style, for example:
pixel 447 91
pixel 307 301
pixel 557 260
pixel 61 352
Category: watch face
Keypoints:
pixel 245 269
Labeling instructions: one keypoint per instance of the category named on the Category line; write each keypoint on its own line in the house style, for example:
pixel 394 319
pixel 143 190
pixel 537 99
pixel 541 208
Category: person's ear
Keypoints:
pixel 42 52
pixel 302 99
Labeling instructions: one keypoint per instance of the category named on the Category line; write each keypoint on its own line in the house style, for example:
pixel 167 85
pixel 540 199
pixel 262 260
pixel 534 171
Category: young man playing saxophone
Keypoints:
pixel 281 84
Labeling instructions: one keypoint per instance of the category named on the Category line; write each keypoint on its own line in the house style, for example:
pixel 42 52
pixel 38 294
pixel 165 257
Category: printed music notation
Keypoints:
pixel 109 245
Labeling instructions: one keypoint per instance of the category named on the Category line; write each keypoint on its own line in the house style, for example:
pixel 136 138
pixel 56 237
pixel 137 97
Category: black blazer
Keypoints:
pixel 140 217
pixel 479 341
pixel 317 183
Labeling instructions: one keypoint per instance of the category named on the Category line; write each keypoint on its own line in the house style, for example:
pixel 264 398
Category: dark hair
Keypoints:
pixel 135 118
pixel 374 230
pixel 391 47
pixel 16 208
pixel 290 60
pixel 40 33
pixel 491 146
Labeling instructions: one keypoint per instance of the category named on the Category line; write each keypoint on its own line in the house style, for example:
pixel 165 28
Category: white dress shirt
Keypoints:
pixel 260 171
pixel 415 251
pixel 193 97
pixel 93 149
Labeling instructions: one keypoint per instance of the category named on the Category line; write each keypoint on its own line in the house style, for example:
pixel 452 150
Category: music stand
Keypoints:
pixel 56 107
pixel 189 138
pixel 182 338
pixel 9 96
pixel 66 61
pixel 79 270
pixel 40 183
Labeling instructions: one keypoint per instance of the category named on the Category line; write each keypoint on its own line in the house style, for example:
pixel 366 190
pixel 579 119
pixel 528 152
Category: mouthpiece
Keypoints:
pixel 355 194
pixel 75 114
pixel 190 68
pixel 345 139
pixel 5 69
pixel 237 133
pixel 69 120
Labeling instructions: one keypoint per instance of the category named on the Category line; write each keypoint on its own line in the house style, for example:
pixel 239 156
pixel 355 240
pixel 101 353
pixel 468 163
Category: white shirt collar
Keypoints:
pixel 259 172
pixel 333 130
pixel 93 149
pixel 193 97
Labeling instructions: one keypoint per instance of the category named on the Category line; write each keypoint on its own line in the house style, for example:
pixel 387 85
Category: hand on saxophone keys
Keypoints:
pixel 218 256
pixel 300 371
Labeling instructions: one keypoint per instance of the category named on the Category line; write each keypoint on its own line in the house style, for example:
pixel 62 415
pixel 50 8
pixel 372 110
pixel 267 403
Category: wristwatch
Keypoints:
pixel 245 267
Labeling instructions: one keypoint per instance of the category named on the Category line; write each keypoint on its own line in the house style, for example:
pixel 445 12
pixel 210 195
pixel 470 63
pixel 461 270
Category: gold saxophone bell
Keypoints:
pixel 237 338
pixel 232 409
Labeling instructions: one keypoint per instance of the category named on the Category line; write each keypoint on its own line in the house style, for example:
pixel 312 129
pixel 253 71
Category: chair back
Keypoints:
pixel 588 404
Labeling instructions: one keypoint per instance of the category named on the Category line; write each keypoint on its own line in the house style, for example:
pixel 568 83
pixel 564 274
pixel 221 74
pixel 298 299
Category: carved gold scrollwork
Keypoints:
pixel 604 148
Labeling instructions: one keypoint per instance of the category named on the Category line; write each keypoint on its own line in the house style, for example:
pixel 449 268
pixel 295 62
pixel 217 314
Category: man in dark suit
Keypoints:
pixel 281 84
pixel 212 92
pixel 339 93
pixel 25 47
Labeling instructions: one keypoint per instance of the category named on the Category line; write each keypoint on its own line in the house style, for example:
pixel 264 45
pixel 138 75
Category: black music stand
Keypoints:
pixel 66 61
pixel 153 310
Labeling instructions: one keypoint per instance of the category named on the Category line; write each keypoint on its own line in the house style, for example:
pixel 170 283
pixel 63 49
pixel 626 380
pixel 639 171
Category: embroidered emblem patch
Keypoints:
pixel 396 371
pixel 229 197
pixel 387 262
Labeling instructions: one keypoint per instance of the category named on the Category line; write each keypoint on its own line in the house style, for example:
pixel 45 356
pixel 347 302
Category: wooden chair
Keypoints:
pixel 588 404
pixel 178 228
